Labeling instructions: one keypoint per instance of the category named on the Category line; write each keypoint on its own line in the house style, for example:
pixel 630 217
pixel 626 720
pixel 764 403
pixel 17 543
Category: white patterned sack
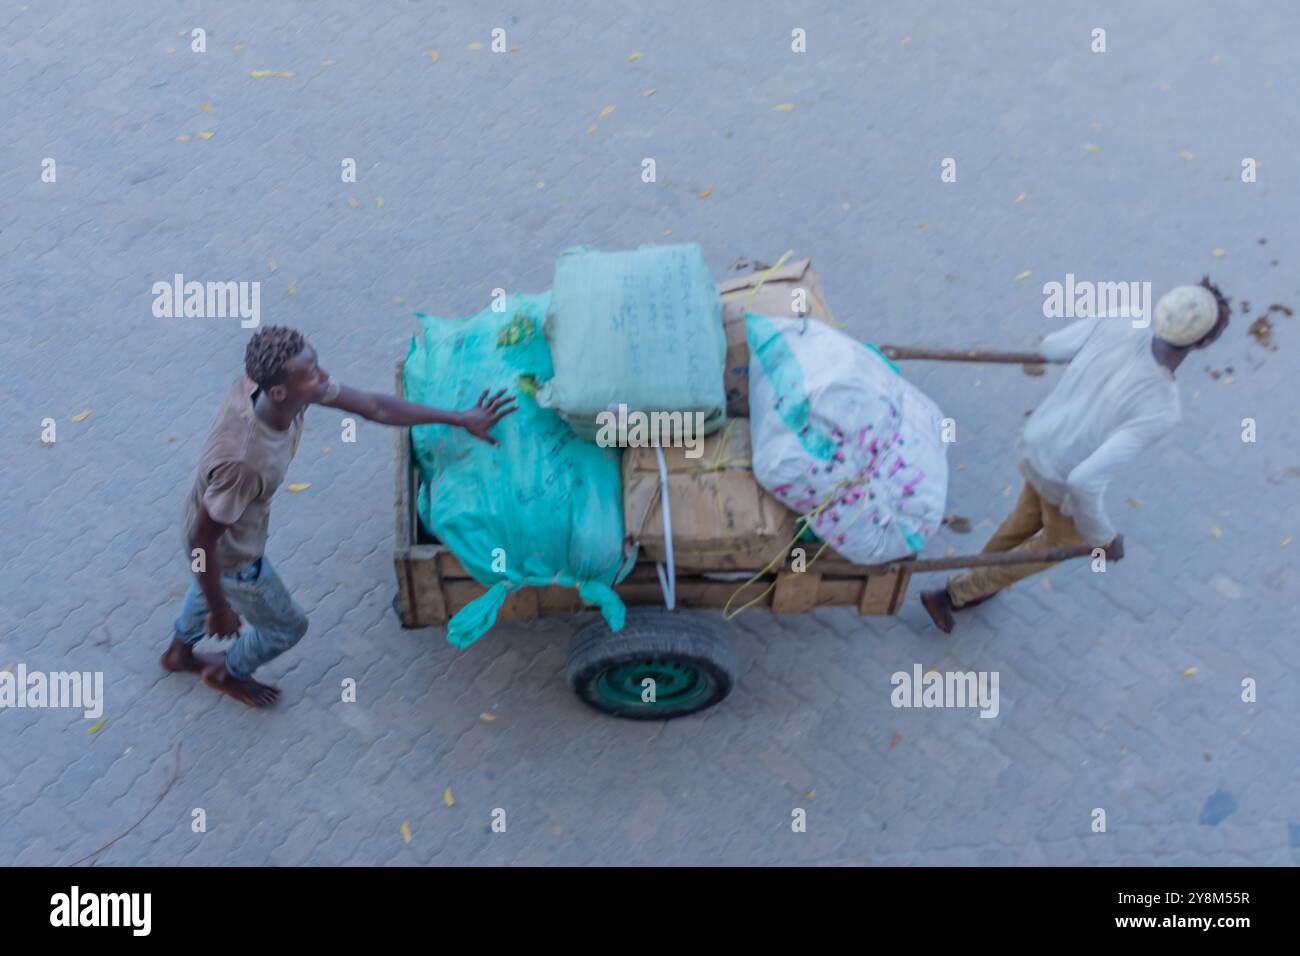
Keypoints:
pixel 841 437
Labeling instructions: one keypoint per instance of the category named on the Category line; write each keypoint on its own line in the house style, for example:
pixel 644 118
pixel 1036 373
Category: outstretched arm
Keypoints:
pixel 391 410
pixel 1064 344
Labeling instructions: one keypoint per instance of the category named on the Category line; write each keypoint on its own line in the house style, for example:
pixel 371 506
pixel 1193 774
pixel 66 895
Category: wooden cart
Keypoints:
pixel 662 664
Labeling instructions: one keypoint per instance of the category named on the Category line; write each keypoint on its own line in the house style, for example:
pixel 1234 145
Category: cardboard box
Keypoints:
pixel 773 295
pixel 723 520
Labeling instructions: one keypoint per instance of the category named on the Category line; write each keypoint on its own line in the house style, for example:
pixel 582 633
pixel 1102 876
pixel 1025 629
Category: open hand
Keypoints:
pixel 479 419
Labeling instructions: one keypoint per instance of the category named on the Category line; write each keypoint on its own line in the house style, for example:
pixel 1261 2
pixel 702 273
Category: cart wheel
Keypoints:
pixel 689 658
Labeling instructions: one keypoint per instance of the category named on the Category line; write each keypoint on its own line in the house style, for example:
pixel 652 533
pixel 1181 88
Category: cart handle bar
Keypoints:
pixel 904 352
pixel 1028 556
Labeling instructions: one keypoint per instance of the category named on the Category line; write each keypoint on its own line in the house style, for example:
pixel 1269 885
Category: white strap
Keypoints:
pixel 667 583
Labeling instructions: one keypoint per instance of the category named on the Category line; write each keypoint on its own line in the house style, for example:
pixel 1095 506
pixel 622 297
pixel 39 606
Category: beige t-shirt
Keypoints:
pixel 243 462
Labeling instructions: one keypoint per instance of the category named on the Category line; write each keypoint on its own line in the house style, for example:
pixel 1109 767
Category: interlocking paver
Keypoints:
pixel 487 173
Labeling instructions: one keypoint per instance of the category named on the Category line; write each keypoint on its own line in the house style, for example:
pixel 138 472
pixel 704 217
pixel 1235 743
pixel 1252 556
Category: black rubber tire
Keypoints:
pixel 683 638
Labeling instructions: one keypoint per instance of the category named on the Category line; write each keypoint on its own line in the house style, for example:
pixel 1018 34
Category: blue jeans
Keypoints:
pixel 273 620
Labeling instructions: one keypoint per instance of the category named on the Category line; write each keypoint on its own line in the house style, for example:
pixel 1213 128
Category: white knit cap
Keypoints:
pixel 1185 314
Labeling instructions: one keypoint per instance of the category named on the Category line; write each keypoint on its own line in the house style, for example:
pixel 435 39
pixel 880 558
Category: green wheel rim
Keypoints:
pixel 677 684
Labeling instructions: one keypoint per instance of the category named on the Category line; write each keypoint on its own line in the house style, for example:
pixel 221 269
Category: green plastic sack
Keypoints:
pixel 543 507
pixel 641 329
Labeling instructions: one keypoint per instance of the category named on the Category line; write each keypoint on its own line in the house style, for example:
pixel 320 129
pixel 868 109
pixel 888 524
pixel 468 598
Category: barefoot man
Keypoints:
pixel 1117 396
pixel 254 436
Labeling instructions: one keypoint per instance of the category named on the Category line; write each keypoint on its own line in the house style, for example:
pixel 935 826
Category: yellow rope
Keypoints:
pixel 768 274
pixel 805 521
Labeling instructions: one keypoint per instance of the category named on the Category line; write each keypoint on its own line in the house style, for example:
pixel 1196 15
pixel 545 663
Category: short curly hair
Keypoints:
pixel 1224 303
pixel 268 352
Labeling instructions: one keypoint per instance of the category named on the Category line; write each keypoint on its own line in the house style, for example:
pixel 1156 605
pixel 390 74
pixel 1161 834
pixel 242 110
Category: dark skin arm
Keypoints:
pixel 222 619
pixel 391 410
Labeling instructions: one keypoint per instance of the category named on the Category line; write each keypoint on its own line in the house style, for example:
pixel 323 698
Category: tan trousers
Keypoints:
pixel 1033 523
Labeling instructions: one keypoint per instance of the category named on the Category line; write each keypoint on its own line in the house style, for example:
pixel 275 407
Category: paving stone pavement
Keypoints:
pixel 475 170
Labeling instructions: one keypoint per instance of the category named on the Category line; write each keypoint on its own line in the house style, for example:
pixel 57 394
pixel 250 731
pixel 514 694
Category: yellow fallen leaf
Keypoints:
pixel 379 200
pixel 476 45
pixel 1095 126
pixel 1162 87
pixel 1214 59
pixel 605 112
pixel 1020 198
pixel 98 726
pixel 208 107
pixel 237 47
pixel 447 798
pixel 950 552
pixel 783 107
pixel 1023 275
pixel 170 49
pixel 810 794
pixel 300 486
pixel 961 467
pixel 406 832
pixel 922 225
pixel 1006 492
pixel 258 74
pixel 281 74
pixel 184 138
pixel 1189 672
pixel 433 56
pixel 205 135
pixel 6 669
pixel 1135 502
pixel 293 290
pixel 591 129
pixel 1286 541
pixel 1219 253
pixel 328 449
pixel 399 300
pixel 1187 155
pixel 182 34
pixel 706 192
pixel 633 57
pixel 1092 148
pixel 1227 380
pixel 81 416
pixel 487 716
pixel 649 92
pixel 514 48
pixel 897 738
pixel 326 62
pixel 273 264
pixel 352 202
pixel 1217 532
pixel 907 38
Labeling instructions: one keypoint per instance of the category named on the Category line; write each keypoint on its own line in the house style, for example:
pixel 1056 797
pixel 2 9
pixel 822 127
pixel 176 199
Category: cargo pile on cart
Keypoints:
pixel 677 445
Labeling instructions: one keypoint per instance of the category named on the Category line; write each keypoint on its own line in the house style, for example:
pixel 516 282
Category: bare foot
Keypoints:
pixel 180 656
pixel 243 689
pixel 939 606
